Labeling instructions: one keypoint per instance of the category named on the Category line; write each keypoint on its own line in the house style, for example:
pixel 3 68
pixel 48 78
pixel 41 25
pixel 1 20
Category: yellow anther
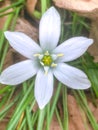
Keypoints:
pixel 60 54
pixel 37 55
pixel 47 53
pixel 46 70
pixel 53 65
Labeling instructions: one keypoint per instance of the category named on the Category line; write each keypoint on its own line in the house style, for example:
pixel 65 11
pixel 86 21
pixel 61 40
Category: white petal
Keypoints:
pixel 73 48
pixel 22 43
pixel 43 88
pixel 18 73
pixel 49 30
pixel 71 76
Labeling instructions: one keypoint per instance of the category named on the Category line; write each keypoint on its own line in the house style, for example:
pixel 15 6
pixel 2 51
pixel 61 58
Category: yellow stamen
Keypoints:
pixel 53 65
pixel 46 70
pixel 47 53
pixel 60 54
pixel 37 55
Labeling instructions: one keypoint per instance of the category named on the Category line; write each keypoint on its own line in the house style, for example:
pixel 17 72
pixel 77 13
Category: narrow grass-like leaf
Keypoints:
pixel 43 6
pixel 65 109
pixel 5 89
pixel 55 99
pixel 59 119
pixel 37 14
pixel 83 103
pixel 12 5
pixel 20 108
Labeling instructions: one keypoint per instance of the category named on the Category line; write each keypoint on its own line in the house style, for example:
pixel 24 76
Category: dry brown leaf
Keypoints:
pixel 76 120
pixel 94 109
pixel 24 26
pixel 4 121
pixel 3 124
pixel 12 57
pixel 96 114
pixel 31 6
pixel 54 124
pixel 88 8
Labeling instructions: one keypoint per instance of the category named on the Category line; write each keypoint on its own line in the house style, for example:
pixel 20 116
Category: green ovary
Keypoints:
pixel 47 60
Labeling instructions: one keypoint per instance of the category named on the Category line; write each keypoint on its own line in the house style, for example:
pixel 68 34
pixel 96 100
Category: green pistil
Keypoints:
pixel 47 60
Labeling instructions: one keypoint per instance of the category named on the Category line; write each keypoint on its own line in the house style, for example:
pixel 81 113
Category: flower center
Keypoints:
pixel 47 60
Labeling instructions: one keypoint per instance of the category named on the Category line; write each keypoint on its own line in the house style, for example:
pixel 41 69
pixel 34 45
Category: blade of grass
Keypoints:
pixel 59 119
pixel 4 111
pixel 49 111
pixel 28 112
pixel 83 103
pixel 55 99
pixel 5 89
pixel 65 109
pixel 91 70
pixel 20 108
pixel 7 23
pixel 12 5
pixel 43 6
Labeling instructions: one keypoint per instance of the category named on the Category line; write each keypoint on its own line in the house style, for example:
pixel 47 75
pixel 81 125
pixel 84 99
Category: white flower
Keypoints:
pixel 47 60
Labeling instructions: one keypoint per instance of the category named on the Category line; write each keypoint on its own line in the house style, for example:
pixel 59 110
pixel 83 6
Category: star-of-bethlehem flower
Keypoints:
pixel 47 60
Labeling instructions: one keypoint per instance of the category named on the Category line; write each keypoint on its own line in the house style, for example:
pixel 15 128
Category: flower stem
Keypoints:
pixel 41 119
